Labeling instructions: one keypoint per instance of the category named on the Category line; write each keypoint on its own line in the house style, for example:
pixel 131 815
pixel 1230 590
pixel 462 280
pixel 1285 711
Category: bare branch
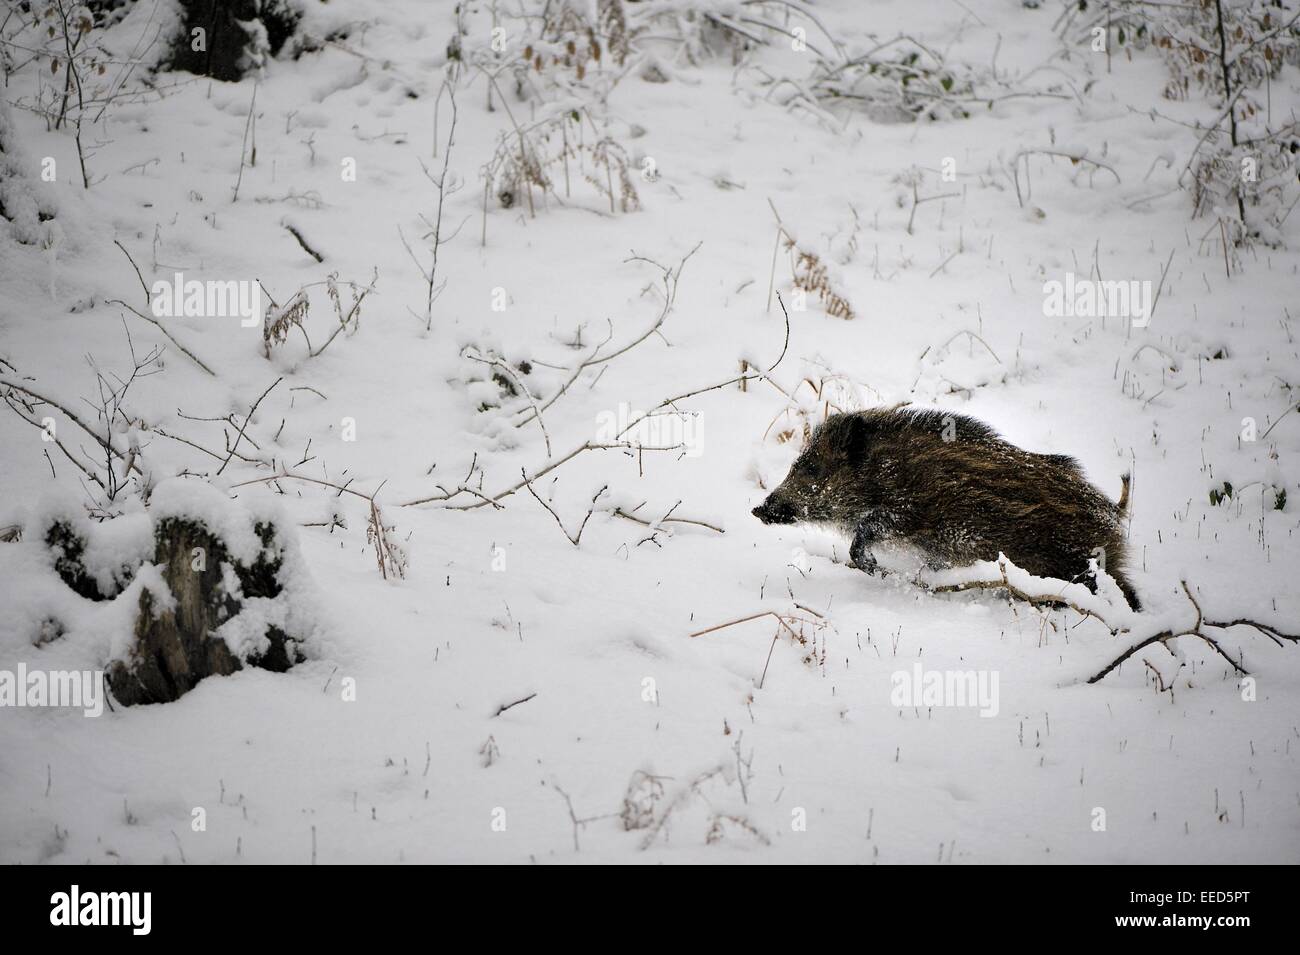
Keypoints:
pixel 247 419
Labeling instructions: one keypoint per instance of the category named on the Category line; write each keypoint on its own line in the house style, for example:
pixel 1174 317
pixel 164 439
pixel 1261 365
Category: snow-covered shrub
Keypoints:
pixel 1251 186
pixel 96 566
pixel 64 43
pixel 1196 40
pixel 697 32
pixel 565 58
pixel 492 379
pixel 553 50
pixel 900 85
pixel 1243 171
pixel 26 215
pixel 573 50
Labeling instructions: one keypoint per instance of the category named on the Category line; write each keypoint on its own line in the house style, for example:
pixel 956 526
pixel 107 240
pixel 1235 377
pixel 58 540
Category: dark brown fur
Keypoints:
pixel 951 486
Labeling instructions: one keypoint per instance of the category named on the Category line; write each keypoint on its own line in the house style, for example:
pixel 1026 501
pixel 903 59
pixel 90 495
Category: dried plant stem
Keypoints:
pixel 345 319
pixel 243 147
pixel 619 512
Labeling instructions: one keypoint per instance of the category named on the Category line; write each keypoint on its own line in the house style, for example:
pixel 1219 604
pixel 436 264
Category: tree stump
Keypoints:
pixel 175 642
pixel 175 647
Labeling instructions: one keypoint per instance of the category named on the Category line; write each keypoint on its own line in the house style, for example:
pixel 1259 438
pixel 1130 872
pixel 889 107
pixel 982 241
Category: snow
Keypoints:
pixel 193 500
pixel 389 743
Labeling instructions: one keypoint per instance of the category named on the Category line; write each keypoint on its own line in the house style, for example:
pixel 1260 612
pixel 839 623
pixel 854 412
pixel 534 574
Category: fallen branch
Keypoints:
pixel 1164 637
pixel 1197 630
pixel 505 706
pixel 293 231
pixel 666 519
pixel 1056 601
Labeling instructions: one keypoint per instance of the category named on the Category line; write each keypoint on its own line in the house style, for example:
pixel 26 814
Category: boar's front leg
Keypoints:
pixel 860 550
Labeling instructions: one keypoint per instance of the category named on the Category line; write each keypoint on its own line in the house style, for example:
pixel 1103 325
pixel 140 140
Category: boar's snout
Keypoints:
pixel 774 511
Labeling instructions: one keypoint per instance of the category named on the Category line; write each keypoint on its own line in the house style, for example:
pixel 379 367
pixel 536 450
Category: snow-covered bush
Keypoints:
pixel 227 40
pixel 26 214
pixel 1243 169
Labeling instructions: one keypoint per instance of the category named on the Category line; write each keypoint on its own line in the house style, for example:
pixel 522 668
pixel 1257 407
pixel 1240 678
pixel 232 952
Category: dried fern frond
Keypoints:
pixel 810 274
pixel 281 318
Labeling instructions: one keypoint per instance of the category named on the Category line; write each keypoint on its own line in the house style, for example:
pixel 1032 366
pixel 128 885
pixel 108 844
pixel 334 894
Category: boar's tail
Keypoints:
pixel 1124 480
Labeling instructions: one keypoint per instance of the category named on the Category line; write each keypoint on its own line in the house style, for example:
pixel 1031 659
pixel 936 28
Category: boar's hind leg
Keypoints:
pixel 860 550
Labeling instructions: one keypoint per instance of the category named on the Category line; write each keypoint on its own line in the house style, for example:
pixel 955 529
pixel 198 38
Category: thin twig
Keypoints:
pixel 247 419
pixel 505 706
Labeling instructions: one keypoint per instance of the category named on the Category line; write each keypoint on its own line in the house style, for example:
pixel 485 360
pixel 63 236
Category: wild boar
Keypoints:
pixel 952 487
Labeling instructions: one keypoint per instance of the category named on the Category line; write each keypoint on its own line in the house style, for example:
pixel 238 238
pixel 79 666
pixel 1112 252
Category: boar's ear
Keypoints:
pixel 854 437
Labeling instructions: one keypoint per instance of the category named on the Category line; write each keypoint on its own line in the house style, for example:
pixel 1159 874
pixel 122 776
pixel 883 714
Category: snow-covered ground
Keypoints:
pixel 639 742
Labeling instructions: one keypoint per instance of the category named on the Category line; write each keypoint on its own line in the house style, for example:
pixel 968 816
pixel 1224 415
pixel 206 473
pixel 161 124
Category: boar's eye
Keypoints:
pixel 809 468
